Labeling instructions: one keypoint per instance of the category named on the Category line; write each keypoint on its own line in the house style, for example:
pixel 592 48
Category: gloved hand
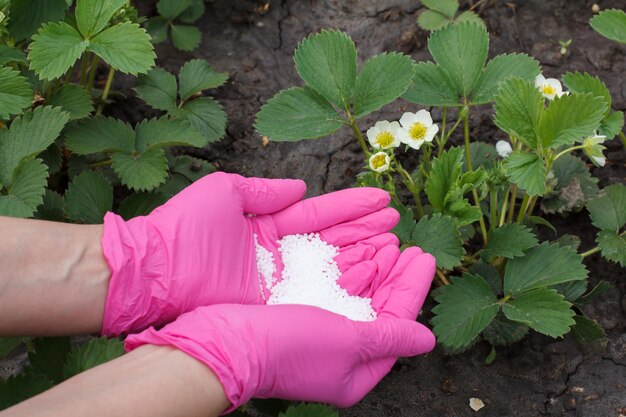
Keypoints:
pixel 198 248
pixel 304 353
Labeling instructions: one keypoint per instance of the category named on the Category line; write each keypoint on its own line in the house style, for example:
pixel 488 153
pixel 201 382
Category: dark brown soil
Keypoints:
pixel 538 377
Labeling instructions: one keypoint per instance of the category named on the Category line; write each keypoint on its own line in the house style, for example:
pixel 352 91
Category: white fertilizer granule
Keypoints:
pixel 310 277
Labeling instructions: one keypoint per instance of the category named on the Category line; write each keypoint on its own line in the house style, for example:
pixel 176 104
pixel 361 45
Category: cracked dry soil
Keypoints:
pixel 537 377
pixel 254 42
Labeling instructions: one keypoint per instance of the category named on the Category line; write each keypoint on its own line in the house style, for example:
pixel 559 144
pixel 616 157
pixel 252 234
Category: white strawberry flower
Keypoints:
pixel 503 148
pixel 593 148
pixel 379 162
pixel 384 135
pixel 417 128
pixel 549 87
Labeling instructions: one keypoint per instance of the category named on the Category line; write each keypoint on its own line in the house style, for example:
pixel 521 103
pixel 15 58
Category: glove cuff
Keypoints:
pixel 136 259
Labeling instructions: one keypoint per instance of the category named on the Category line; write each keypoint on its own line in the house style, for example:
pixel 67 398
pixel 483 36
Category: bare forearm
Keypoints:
pixel 53 278
pixel 151 381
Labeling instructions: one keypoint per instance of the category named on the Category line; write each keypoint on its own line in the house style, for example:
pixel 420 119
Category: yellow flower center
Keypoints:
pixel 548 90
pixel 417 131
pixel 384 139
pixel 379 161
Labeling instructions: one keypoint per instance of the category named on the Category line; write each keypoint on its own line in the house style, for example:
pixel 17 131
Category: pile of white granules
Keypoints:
pixel 310 277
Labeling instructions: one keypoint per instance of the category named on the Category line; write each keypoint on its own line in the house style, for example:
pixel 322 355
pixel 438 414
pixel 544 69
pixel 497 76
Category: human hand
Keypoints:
pixel 304 353
pixel 198 248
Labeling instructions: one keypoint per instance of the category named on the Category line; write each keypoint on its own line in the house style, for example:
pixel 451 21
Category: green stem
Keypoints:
pixel 442 277
pixel 512 204
pixel 505 201
pixel 441 142
pixel 410 184
pixel 99 164
pixel 451 131
pixel 493 208
pixel 92 72
pixel 83 68
pixel 590 252
pixel 623 138
pixel 359 136
pixel 522 209
pixel 105 92
pixel 468 160
pixel 566 151
pixel 531 206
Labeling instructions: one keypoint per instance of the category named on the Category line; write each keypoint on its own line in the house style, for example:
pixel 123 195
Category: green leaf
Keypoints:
pixel 18 388
pixel 574 186
pixel 498 70
pixel 608 211
pixel 297 113
pixel 206 115
pixel 326 61
pixel 142 172
pixel 502 331
pixel 543 265
pixel 461 51
pixel 74 99
pixel 309 410
pixel 8 345
pixel 197 75
pixel 526 169
pixel 482 154
pixel 93 15
pixel 126 47
pixel 140 204
pixel 518 108
pixel 28 187
pixel 613 246
pixel 26 16
pixel 543 310
pixel 93 353
pixel 157 28
pixel 48 356
pixel 489 274
pixel 16 93
pixel 431 87
pixel 471 295
pixel 446 7
pixel 192 168
pixel 88 198
pixel 439 236
pixel 404 228
pixel 174 184
pixel 611 24
pixel 569 119
pixel 612 124
pixel 587 330
pixel 600 288
pixel 159 133
pixel 9 54
pixel 509 241
pixel 432 20
pixel 100 134
pixel 382 79
pixel 581 82
pixel 469 16
pixel 29 135
pixel 193 12
pixel 572 290
pixel 53 207
pixel 54 49
pixel 158 88
pixel 444 173
pixel 171 9
pixel 186 38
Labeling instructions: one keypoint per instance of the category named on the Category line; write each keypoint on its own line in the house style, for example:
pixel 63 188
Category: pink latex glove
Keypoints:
pixel 298 352
pixel 198 248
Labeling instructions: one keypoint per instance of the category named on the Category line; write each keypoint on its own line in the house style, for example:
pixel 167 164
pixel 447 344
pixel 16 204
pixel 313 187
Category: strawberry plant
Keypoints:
pixel 62 159
pixel 475 207
pixel 175 19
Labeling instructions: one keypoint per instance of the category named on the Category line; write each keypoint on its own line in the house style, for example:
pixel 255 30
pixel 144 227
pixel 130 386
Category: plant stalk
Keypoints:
pixel 505 202
pixel 468 160
pixel 410 184
pixel 92 72
pixel 99 164
pixel 359 136
pixel 83 68
pixel 623 138
pixel 442 137
pixel 512 204
pixel 493 209
pixel 522 209
pixel 105 92
pixel 442 277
